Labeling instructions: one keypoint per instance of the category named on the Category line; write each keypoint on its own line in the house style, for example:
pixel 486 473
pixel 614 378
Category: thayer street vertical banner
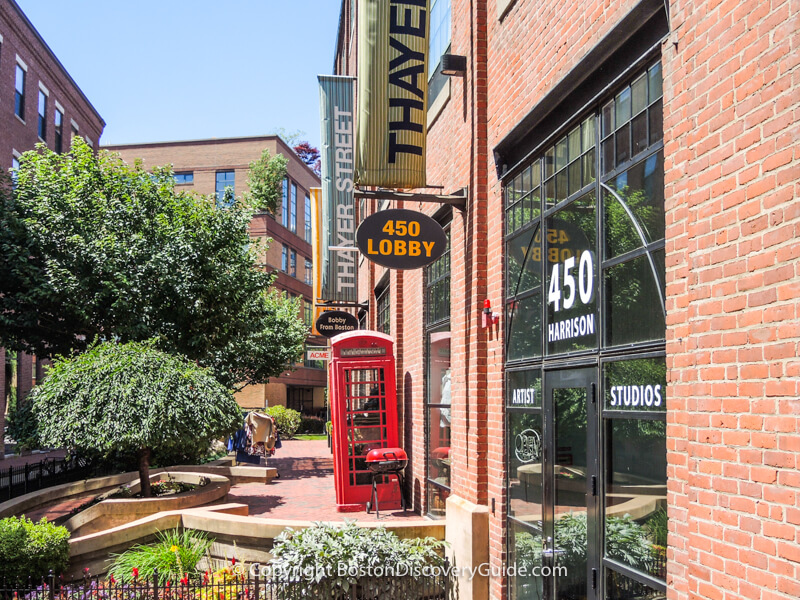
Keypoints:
pixel 337 249
pixel 392 93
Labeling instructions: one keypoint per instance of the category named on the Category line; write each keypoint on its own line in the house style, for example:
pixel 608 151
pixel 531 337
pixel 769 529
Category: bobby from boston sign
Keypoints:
pixel 334 322
pixel 392 93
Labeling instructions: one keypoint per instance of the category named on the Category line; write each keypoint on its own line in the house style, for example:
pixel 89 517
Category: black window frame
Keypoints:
pixel 604 352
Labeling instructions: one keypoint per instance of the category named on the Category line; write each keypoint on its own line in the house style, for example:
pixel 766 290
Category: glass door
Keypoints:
pixel 571 544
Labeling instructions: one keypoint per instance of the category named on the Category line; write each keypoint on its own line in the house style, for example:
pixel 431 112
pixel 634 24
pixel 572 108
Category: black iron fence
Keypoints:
pixel 19 480
pixel 435 584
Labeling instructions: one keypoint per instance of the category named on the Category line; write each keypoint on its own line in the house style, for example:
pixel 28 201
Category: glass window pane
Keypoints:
pixel 549 162
pixel 525 465
pixel 636 494
pixel 437 497
pixel 439 445
pixel 561 154
pixel 623 107
pixel 550 192
pixel 561 186
pixel 623 145
pixel 536 173
pixel 587 134
pixel 639 133
pixel 524 318
pixel 639 95
pixel 656 118
pixel 524 389
pixel 608 119
pixel 654 83
pixel 635 385
pixel 524 261
pixel 525 181
pixel 574 143
pixel 634 311
pixel 608 155
pixel 574 176
pixel 525 556
pixel 619 587
pixel 571 277
pixel 641 188
pixel 589 174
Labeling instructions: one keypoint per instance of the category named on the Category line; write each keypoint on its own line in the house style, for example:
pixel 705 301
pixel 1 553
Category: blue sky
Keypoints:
pixel 162 70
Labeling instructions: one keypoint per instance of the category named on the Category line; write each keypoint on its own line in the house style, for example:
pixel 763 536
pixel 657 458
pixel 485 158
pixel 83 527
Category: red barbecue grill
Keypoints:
pixel 386 461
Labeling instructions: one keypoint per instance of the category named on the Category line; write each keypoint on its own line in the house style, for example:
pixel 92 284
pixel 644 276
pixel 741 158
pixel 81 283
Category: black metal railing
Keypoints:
pixel 437 585
pixel 16 481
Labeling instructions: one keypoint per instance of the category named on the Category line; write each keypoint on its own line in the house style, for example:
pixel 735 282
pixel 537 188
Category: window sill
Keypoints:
pixel 20 119
pixel 439 103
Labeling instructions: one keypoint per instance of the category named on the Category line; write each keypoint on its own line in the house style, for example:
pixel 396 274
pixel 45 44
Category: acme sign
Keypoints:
pixel 392 93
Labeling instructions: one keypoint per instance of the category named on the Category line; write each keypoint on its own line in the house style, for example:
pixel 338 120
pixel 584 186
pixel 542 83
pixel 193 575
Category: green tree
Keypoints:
pixel 264 180
pixel 96 249
pixel 131 398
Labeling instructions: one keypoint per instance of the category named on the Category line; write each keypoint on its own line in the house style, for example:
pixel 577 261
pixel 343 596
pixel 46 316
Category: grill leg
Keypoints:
pixel 375 495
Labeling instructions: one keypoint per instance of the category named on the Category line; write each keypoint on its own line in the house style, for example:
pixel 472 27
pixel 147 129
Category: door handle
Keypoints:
pixel 548 550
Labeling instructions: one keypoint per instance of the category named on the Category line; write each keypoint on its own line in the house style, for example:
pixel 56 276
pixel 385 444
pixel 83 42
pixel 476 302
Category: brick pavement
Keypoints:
pixel 305 489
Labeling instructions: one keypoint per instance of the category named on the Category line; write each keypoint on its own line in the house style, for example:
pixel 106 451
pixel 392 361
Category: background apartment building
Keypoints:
pixel 210 166
pixel 632 218
pixel 39 103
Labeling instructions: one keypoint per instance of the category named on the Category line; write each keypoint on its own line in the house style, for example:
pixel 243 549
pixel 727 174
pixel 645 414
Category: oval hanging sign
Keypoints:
pixel 334 322
pixel 401 239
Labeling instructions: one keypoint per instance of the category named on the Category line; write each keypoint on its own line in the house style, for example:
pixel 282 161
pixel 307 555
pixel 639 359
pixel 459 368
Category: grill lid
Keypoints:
pixel 386 454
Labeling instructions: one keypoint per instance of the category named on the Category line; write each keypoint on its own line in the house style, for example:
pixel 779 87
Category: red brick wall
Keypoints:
pixel 731 144
pixel 19 39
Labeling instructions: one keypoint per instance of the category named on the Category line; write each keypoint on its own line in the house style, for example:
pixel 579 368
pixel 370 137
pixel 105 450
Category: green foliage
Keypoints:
pixel 311 425
pixel 321 549
pixel 286 419
pixel 626 541
pixel 657 525
pixel 94 248
pixel 32 549
pixel 125 397
pixel 265 181
pixel 175 554
pixel 22 426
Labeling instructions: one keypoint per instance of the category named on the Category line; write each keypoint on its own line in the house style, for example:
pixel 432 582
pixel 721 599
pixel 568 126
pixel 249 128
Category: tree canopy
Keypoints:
pixel 96 249
pixel 131 397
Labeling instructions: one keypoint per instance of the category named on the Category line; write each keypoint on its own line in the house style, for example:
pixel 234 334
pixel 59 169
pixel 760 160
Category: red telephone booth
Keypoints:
pixel 363 401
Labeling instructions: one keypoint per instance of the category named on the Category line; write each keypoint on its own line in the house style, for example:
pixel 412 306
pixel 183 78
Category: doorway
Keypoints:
pixel 571 469
pixel 554 465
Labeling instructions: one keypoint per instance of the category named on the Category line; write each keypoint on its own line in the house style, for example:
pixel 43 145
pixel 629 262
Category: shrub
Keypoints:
pixel 32 549
pixel 175 554
pixel 287 420
pixel 340 552
pixel 22 426
pixel 311 425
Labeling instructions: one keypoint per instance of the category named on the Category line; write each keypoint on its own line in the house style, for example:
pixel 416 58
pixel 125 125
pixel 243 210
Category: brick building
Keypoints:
pixel 632 218
pixel 208 167
pixel 41 103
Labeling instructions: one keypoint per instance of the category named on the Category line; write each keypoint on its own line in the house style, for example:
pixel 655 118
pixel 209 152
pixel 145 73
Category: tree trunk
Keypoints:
pixel 144 471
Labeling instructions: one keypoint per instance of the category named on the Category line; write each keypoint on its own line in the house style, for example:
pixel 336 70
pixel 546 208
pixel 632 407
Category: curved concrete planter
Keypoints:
pixel 114 512
pixel 34 500
pixel 249 539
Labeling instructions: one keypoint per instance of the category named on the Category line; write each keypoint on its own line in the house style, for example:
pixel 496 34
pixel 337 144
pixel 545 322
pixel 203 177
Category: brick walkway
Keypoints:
pixel 305 489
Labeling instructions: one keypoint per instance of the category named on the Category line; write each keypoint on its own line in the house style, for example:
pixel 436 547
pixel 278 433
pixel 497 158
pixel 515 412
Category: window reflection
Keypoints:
pixel 636 494
pixel 525 553
pixel 641 188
